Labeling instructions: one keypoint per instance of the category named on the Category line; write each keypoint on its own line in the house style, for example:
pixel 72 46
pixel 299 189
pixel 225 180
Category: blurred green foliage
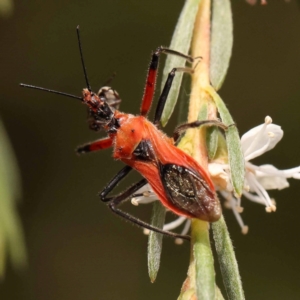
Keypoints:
pixel 6 8
pixel 11 233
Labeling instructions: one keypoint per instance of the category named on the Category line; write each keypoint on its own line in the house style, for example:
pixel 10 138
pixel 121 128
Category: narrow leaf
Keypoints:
pixel 235 154
pixel 181 41
pixel 227 260
pixel 155 240
pixel 222 151
pixel 203 113
pixel 211 132
pixel 221 42
pixel 184 98
pixel 204 262
pixel 212 141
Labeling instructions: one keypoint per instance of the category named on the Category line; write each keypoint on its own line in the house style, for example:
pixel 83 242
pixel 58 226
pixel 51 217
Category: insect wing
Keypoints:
pixel 189 192
pixel 187 187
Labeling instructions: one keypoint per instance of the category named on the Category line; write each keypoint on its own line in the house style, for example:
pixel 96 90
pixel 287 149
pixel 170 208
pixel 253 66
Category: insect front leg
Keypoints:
pixel 95 146
pixel 115 201
pixel 164 95
pixel 113 183
pixel 152 74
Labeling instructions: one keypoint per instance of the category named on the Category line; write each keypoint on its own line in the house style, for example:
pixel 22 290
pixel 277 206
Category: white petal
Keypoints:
pixel 254 198
pixel 273 183
pixel 174 224
pixel 216 169
pixel 238 217
pixel 186 227
pixel 260 139
pixel 256 187
pixel 271 170
pixel 272 178
pixel 220 175
pixel 144 195
pixel 234 204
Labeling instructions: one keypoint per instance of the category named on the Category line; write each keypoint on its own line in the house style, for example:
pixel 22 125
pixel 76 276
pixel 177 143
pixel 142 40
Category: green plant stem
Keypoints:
pixel 201 274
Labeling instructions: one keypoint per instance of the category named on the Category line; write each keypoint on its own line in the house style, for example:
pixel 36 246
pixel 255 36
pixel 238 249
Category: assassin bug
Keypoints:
pixel 180 183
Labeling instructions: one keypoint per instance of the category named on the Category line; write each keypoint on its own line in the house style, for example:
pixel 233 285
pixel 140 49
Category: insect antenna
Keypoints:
pixel 82 60
pixel 50 91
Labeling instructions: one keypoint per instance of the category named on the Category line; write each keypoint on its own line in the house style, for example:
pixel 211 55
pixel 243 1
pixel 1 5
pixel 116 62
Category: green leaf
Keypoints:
pixel 211 132
pixel 219 295
pixel 212 141
pixel 155 240
pixel 222 151
pixel 204 262
pixel 227 260
pixel 203 113
pixel 181 41
pixel 187 295
pixel 184 98
pixel 235 154
pixel 10 225
pixel 221 41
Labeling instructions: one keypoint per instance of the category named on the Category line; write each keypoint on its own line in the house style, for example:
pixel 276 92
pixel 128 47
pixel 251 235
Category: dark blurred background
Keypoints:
pixel 77 249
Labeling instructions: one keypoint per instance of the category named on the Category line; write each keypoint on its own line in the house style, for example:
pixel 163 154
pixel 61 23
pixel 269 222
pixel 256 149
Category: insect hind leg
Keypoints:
pixel 115 201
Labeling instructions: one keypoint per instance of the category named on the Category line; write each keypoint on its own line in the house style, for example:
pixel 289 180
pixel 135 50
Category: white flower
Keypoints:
pixel 258 179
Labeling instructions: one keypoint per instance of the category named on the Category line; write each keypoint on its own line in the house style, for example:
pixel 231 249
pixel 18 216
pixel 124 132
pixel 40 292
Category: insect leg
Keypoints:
pixel 114 201
pixel 164 95
pixel 152 73
pixel 180 129
pixel 113 205
pixel 95 146
pixel 113 183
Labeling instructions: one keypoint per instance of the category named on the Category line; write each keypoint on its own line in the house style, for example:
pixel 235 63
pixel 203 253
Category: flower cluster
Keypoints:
pixel 258 179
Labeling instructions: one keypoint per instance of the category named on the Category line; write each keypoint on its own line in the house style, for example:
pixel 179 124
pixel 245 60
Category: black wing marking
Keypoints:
pixel 190 193
pixel 144 151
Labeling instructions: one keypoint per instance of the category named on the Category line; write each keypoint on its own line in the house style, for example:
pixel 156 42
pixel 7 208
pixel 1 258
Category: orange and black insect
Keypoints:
pixel 180 183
